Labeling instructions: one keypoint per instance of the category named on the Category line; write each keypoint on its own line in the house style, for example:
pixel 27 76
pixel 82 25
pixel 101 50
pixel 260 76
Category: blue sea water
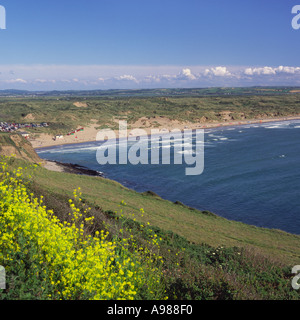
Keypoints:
pixel 251 174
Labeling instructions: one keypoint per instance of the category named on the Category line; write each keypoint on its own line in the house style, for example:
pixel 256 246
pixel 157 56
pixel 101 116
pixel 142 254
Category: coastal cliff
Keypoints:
pixel 15 144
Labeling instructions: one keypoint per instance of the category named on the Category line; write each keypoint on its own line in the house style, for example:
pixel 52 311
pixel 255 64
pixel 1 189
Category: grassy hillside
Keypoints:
pixel 196 226
pixel 65 114
pixel 204 256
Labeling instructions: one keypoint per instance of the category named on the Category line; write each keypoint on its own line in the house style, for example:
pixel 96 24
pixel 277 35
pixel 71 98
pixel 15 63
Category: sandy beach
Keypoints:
pixel 144 126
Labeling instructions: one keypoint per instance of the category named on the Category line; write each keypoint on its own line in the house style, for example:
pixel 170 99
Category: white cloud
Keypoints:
pixel 19 80
pixel 127 77
pixel 41 80
pixel 291 70
pixel 186 74
pixel 248 72
pixel 61 77
pixel 217 72
pixel 152 79
pixel 260 71
pixel 271 71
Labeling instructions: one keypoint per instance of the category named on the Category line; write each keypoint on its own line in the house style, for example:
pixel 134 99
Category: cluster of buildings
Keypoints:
pixel 10 127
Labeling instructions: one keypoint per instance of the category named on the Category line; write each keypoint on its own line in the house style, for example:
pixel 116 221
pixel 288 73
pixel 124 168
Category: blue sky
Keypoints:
pixel 102 44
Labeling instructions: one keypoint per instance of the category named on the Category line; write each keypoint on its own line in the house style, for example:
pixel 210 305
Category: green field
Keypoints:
pixel 64 116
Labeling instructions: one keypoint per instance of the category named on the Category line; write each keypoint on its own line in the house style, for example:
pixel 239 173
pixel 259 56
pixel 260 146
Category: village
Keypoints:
pixel 11 127
pixel 15 127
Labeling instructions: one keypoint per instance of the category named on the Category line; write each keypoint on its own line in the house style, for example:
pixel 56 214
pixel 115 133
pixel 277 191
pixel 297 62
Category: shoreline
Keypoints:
pixel 57 166
pixel 41 144
pixel 73 168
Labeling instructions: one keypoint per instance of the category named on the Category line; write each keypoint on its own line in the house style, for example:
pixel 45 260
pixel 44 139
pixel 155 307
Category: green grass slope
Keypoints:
pixel 196 226
pixel 204 256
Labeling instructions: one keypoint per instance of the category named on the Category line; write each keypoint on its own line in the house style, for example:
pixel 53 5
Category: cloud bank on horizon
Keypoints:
pixel 89 77
pixel 102 44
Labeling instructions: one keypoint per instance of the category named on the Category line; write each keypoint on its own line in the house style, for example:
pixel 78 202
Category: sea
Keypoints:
pixel 251 173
